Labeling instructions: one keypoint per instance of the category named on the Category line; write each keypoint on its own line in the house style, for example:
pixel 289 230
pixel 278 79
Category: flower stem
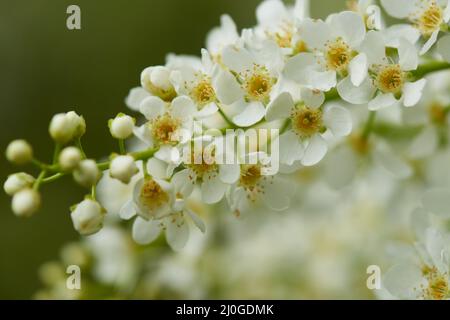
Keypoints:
pixel 429 67
pixel 80 146
pixel 368 127
pixel 122 148
pixel 39 179
pixel 53 178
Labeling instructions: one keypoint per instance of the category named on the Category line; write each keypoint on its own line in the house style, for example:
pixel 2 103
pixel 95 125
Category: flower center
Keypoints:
pixel 338 55
pixel 258 83
pixel 203 92
pixel 164 129
pixel 152 196
pixel 203 164
pixel 306 121
pixel 390 79
pixel 250 176
pixel 431 19
pixel 437 113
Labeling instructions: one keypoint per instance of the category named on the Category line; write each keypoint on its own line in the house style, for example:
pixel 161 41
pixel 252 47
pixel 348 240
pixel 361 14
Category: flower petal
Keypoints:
pixel 229 173
pixel 183 107
pixel 312 98
pixel 402 279
pixel 412 92
pixel 358 69
pixel 280 107
pixel 356 95
pixel 444 47
pixel 291 148
pixel 398 8
pixel 177 233
pixel 227 88
pixel 408 58
pixel 182 182
pixel 144 232
pixel 430 42
pixel 152 107
pixel 127 211
pixel 338 120
pixel 213 190
pixel 252 113
pixel 315 151
pixel 350 26
pixel 237 59
pixel 135 97
pixel 382 100
pixel 197 221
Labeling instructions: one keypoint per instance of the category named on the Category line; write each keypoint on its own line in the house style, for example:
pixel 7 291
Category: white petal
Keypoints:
pixel 197 221
pixel 127 211
pixel 297 67
pixel 437 247
pixel 144 231
pixel 444 47
pixel 412 92
pixel 338 120
pixel 408 58
pixel 270 13
pixel 208 110
pixel 430 42
pixel 358 69
pixel 437 201
pixel 356 95
pixel 237 59
pixel 183 183
pixel 280 107
pixel 399 8
pixel 401 280
pixel 312 98
pixel 446 15
pixel 374 47
pixel 157 168
pixel 144 134
pixel 382 100
pixel 425 144
pixel 315 151
pixel 291 148
pixel 227 88
pixel 152 107
pixel 183 107
pixel 252 113
pixel 315 33
pixel 350 26
pixel 229 173
pixel 177 233
pixel 135 97
pixel 213 190
pixel 393 34
pixel 323 81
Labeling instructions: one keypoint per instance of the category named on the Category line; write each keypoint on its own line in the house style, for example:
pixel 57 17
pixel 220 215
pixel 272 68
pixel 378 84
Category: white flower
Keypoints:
pixel 257 185
pixel 279 23
pixel 207 166
pixel 87 217
pixel 69 158
pixel 19 152
pixel 123 168
pixel 17 182
pixel 158 209
pixel 121 127
pixel 389 82
pixel 65 127
pixel 167 126
pixel 248 87
pixel 303 140
pixel 87 173
pixel 220 37
pixel 371 13
pixel 424 275
pixel 26 202
pixel 333 50
pixel 197 81
pixel 428 16
pixel 156 80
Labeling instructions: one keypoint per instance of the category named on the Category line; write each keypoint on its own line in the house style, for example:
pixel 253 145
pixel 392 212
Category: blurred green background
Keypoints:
pixel 46 69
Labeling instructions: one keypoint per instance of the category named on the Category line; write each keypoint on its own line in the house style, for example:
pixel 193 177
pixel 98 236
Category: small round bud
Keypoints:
pixel 65 127
pixel 87 173
pixel 19 152
pixel 121 127
pixel 17 182
pixel 160 77
pixel 69 158
pixel 88 217
pixel 26 202
pixel 123 168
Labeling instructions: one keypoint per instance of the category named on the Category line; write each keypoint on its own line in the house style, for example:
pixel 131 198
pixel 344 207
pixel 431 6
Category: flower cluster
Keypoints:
pixel 318 83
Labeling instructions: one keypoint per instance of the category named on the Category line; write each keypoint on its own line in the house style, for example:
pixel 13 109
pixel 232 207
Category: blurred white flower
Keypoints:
pixel 19 152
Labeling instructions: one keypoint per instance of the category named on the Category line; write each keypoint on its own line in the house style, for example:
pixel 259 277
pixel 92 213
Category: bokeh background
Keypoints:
pixel 46 69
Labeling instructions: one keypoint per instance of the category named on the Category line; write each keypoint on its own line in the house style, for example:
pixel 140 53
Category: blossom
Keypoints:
pixel 17 182
pixel 69 158
pixel 121 127
pixel 123 168
pixel 87 217
pixel 424 275
pixel 19 152
pixel 26 202
pixel 307 125
pixel 388 82
pixel 65 127
pixel 331 49
pixel 428 16
pixel 220 37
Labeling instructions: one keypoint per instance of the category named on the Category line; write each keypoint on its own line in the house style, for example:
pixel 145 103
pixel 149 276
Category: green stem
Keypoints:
pixel 80 146
pixel 53 178
pixel 122 148
pixel 56 153
pixel 38 181
pixel 144 168
pixel 94 192
pixel 368 127
pixel 429 67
